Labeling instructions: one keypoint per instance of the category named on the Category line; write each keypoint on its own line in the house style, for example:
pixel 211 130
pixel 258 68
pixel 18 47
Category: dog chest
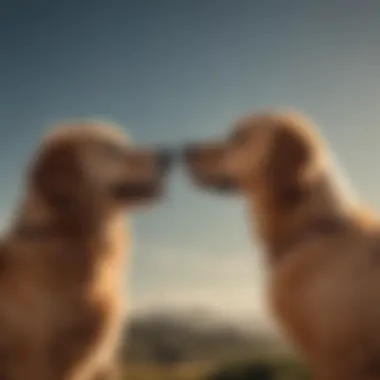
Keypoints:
pixel 81 334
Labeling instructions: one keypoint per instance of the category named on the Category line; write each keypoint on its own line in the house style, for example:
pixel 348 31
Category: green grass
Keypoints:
pixel 180 372
pixel 277 368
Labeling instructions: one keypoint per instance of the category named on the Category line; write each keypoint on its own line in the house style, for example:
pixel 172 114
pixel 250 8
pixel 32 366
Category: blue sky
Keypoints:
pixel 172 71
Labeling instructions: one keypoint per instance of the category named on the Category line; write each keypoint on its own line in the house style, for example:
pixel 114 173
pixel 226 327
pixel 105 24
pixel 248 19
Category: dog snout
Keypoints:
pixel 164 161
pixel 191 152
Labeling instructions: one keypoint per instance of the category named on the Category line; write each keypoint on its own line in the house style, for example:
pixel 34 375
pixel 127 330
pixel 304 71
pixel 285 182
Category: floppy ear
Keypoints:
pixel 56 174
pixel 290 156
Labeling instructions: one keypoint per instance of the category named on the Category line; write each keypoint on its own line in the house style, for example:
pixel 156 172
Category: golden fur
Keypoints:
pixel 323 248
pixel 61 302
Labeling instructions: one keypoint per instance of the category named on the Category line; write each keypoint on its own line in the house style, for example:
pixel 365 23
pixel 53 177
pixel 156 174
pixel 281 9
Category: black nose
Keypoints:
pixel 190 152
pixel 164 160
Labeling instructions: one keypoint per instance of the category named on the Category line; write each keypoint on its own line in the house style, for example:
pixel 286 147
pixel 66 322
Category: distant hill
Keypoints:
pixel 177 337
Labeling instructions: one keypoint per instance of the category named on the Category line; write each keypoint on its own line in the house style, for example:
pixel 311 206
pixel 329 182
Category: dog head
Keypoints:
pixel 92 165
pixel 272 152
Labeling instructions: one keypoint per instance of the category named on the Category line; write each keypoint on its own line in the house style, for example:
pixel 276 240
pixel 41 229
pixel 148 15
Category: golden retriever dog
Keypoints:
pixel 323 248
pixel 61 301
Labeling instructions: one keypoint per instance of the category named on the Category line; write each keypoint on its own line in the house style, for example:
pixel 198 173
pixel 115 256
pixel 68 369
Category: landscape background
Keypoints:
pixel 174 71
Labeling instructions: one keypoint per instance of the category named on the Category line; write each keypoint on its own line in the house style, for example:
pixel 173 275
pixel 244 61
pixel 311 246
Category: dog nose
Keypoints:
pixel 190 152
pixel 164 160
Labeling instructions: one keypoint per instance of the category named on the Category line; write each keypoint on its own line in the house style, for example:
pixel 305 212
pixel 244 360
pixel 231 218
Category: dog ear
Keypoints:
pixel 291 154
pixel 56 174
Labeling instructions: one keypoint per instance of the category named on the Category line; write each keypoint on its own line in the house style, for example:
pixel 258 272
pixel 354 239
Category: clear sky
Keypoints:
pixel 175 70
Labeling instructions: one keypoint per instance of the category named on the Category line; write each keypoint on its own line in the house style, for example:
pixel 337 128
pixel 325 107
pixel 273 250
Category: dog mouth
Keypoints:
pixel 200 165
pixel 149 189
pixel 225 185
pixel 138 191
pixel 218 184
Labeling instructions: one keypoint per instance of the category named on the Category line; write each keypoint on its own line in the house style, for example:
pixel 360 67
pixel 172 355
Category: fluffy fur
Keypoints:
pixel 323 247
pixel 61 262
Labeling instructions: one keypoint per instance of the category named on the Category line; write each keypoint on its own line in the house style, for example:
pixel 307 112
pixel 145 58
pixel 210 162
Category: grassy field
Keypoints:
pixel 173 348
pixel 179 372
pixel 264 368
